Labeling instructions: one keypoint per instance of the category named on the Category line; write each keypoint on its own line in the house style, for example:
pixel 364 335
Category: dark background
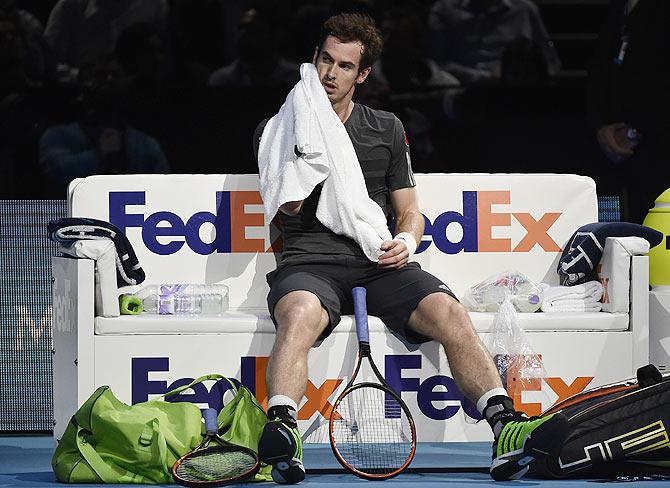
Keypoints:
pixel 529 126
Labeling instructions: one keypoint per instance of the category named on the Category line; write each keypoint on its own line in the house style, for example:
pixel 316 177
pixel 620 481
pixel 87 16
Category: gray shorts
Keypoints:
pixel 392 295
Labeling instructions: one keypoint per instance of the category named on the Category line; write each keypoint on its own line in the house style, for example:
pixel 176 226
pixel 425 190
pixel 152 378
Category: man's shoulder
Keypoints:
pixel 375 112
pixel 377 117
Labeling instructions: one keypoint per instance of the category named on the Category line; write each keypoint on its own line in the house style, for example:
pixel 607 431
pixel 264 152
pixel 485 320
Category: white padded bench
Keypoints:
pixel 240 321
pixel 211 229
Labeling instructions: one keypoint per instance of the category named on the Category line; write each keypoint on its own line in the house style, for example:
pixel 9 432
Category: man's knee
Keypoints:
pixel 456 312
pixel 440 305
pixel 300 314
pixel 439 315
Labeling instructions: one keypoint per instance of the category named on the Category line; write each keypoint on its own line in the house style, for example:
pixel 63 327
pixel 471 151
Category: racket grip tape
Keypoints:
pixel 209 415
pixel 361 314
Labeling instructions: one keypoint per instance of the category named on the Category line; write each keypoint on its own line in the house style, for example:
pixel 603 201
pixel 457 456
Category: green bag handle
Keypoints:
pixel 211 376
pixel 102 469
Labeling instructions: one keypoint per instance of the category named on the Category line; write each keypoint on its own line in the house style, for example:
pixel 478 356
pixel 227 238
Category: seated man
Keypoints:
pixel 311 287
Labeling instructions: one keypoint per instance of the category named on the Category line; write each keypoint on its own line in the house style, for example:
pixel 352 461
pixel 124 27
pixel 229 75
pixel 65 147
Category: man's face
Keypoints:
pixel 338 65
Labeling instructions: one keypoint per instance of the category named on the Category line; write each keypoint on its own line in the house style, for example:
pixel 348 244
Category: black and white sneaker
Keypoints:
pixel 523 440
pixel 281 446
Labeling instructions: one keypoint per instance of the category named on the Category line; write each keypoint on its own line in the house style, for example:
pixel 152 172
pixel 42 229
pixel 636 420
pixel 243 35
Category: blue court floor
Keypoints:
pixel 26 462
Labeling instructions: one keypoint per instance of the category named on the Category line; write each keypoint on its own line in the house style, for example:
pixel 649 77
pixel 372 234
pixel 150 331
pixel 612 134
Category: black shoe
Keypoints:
pixel 522 441
pixel 280 445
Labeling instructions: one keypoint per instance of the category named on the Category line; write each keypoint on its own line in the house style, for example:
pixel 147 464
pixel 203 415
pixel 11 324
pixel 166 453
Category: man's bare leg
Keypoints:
pixel 300 320
pixel 518 441
pixel 444 320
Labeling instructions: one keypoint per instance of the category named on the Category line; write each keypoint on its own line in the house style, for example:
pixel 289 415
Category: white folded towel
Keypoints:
pixel 571 306
pixel 105 290
pixel 307 124
pixel 577 298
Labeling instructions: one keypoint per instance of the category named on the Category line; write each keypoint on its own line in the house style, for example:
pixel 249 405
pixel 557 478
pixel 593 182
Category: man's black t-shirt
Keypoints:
pixel 379 140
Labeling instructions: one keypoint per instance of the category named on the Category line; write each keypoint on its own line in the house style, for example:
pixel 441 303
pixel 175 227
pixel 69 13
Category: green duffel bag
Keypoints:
pixel 108 441
pixel 241 421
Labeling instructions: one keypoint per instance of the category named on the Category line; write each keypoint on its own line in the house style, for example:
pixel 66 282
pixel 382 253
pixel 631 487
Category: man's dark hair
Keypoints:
pixel 352 27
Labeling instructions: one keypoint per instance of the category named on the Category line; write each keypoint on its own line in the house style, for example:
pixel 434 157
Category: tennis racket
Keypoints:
pixel 372 432
pixel 219 464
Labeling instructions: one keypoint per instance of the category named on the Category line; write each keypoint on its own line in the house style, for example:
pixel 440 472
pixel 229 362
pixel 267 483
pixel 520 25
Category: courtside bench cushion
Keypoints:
pixel 258 321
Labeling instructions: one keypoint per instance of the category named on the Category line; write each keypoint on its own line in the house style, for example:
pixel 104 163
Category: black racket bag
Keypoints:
pixel 615 430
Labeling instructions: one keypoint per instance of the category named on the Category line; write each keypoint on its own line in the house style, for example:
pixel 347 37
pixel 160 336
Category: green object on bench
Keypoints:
pixel 130 305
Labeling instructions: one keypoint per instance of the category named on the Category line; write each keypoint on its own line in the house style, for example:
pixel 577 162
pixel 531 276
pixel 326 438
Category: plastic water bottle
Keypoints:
pixel 184 299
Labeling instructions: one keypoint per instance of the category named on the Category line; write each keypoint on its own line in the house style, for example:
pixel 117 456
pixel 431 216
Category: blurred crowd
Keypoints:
pixel 156 86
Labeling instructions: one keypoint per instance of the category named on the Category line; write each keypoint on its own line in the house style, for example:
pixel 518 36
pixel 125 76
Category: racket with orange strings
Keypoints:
pixel 372 432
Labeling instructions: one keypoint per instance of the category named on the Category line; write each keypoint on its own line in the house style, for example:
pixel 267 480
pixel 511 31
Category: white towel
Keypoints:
pixel 571 306
pixel 306 122
pixel 577 298
pixel 103 252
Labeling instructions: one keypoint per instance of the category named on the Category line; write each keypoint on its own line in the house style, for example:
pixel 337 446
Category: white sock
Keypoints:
pixel 282 400
pixel 481 403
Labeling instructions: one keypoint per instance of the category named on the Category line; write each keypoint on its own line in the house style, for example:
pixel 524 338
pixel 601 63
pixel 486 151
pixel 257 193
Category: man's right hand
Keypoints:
pixel 614 142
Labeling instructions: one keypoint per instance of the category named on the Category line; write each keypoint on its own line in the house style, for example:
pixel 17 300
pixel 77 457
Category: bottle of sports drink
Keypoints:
pixel 186 299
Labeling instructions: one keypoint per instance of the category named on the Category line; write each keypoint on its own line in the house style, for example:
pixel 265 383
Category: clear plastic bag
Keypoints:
pixel 520 368
pixel 489 294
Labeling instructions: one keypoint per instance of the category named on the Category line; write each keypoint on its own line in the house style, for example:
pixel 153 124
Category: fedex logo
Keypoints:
pixel 396 365
pixel 478 220
pixel 252 375
pixel 437 396
pixel 229 221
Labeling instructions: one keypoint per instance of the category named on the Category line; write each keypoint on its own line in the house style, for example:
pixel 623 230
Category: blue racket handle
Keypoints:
pixel 211 424
pixel 361 314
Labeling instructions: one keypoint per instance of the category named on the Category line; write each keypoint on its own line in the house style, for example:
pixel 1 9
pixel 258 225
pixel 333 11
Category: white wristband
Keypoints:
pixel 409 241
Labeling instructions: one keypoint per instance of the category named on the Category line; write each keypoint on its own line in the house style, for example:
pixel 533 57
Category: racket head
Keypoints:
pixel 372 432
pixel 217 465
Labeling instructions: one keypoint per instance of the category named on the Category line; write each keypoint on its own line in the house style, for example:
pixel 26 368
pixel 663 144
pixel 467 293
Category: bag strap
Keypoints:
pixel 101 468
pixel 161 444
pixel 150 435
pixel 211 376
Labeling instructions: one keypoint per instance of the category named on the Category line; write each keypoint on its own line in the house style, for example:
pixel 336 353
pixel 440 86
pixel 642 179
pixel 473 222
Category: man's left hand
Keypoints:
pixel 395 255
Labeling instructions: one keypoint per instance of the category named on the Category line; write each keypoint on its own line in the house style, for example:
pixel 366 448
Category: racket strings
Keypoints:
pixel 215 464
pixel 374 434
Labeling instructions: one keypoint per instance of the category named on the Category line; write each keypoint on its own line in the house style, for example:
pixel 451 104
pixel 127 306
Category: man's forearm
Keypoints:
pixel 412 222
